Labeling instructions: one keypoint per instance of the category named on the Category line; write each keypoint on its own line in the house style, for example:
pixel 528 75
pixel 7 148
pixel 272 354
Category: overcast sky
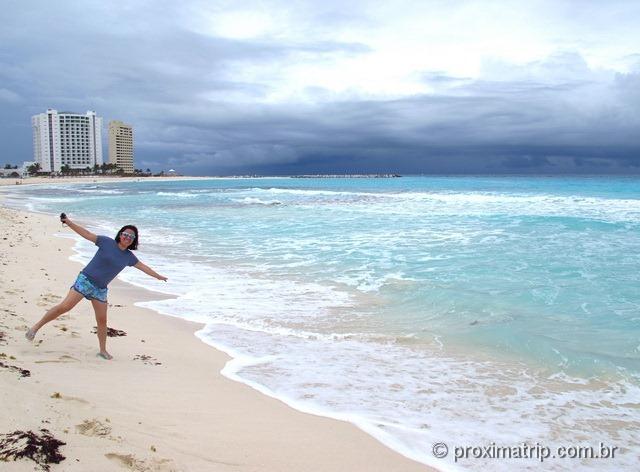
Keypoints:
pixel 290 87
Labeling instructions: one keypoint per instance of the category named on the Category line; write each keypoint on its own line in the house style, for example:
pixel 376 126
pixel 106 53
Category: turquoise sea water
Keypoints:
pixel 468 310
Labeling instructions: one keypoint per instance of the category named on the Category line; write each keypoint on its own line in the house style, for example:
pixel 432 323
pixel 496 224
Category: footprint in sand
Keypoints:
pixel 131 462
pixel 61 327
pixel 48 299
pixel 59 396
pixel 93 428
pixel 61 360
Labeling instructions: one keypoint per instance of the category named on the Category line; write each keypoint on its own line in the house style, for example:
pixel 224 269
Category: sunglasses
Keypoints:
pixel 128 236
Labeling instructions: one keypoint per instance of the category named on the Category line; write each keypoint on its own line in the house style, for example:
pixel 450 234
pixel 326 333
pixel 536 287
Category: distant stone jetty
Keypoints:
pixel 346 176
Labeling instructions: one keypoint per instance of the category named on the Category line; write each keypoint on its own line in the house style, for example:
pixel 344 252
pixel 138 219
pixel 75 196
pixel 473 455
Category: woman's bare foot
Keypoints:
pixel 105 355
pixel 30 334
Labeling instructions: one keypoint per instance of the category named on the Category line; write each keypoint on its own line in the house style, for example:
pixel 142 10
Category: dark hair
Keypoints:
pixel 134 244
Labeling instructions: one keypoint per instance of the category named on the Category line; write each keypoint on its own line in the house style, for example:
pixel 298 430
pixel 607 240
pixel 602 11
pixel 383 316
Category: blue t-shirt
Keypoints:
pixel 108 262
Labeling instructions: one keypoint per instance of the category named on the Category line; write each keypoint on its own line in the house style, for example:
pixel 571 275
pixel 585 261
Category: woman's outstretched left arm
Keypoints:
pixel 149 271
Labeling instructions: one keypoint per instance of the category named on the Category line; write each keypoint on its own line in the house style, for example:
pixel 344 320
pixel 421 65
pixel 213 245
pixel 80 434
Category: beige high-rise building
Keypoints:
pixel 121 145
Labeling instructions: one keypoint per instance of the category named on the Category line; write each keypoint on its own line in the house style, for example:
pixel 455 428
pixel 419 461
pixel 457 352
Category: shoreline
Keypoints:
pixel 149 406
pixel 93 179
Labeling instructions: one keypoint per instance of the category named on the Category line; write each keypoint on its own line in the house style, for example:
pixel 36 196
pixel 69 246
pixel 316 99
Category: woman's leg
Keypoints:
pixel 64 306
pixel 100 308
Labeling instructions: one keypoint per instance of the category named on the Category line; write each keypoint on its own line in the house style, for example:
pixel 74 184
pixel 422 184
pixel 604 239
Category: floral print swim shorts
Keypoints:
pixel 84 286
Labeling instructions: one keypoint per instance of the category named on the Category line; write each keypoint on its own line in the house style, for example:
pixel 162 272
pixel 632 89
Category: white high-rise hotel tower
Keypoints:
pixel 67 138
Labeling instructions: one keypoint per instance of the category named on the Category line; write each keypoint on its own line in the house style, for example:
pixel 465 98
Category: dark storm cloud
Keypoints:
pixel 177 87
pixel 478 127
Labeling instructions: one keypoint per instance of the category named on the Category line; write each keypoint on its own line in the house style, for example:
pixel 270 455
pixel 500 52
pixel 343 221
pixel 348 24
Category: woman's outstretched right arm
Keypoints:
pixel 86 234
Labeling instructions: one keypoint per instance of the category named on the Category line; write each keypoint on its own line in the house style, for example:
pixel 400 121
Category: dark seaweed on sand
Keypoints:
pixel 2 337
pixel 146 359
pixel 111 332
pixel 22 372
pixel 42 448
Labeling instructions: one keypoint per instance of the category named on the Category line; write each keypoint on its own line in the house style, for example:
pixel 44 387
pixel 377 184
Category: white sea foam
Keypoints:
pixel 256 201
pixel 366 281
pixel 99 191
pixel 290 191
pixel 241 296
pixel 476 203
pixel 53 199
pixel 177 194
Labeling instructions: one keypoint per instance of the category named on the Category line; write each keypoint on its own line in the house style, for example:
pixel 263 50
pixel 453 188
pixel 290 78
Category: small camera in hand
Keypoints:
pixel 63 217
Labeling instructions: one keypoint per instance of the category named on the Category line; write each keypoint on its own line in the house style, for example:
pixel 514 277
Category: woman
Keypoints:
pixel 107 263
